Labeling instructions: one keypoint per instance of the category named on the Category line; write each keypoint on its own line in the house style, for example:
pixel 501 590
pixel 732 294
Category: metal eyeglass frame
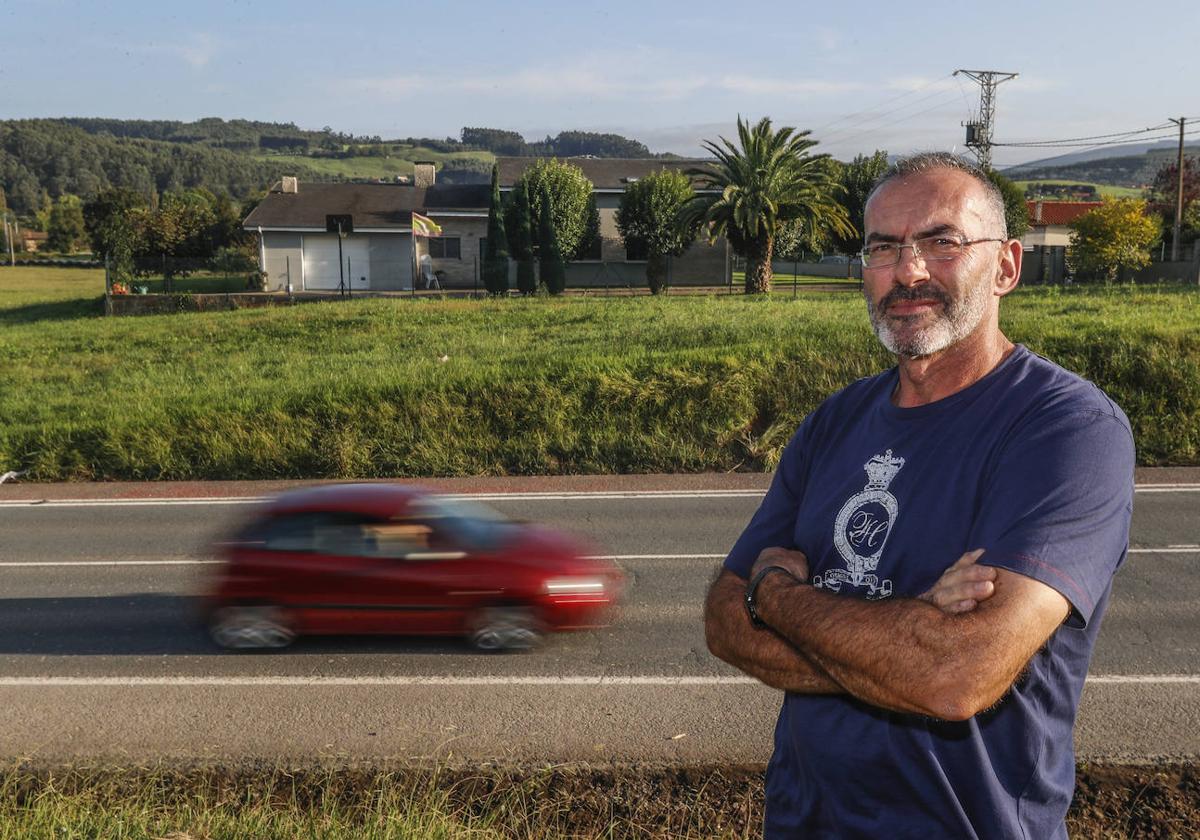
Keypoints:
pixel 962 243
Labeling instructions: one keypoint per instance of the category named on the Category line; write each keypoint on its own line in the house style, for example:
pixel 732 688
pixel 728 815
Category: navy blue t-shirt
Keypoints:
pixel 1032 464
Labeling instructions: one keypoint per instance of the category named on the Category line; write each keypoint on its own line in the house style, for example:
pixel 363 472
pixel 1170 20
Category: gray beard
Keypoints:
pixel 957 320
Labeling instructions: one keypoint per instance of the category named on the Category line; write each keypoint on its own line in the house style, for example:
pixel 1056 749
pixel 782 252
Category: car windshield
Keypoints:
pixel 475 526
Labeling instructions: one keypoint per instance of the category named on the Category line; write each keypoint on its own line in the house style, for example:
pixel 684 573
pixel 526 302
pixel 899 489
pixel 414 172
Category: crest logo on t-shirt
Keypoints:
pixel 861 531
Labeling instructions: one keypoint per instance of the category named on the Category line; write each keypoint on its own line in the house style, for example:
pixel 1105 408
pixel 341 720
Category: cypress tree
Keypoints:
pixel 495 257
pixel 522 241
pixel 554 272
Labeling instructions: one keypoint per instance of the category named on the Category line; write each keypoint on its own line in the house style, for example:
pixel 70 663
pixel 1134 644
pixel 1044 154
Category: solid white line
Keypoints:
pixel 484 681
pixel 15 682
pixel 27 564
pixel 1144 679
pixel 43 563
pixel 583 495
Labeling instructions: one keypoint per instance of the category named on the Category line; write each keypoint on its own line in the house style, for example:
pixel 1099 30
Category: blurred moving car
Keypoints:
pixel 387 558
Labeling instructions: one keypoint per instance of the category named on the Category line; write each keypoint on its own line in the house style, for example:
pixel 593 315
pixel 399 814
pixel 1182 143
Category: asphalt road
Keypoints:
pixel 100 657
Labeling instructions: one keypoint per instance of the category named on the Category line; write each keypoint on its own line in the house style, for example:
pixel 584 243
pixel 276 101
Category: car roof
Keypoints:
pixel 380 500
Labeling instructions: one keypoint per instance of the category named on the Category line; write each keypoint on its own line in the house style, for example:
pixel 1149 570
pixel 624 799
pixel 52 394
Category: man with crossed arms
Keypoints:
pixel 926 576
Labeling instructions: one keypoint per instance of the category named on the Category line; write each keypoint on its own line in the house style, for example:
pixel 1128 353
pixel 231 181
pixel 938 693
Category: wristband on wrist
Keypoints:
pixel 752 591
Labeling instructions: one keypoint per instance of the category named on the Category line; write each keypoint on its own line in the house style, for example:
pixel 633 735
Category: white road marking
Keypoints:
pixel 27 564
pixel 568 496
pixel 482 681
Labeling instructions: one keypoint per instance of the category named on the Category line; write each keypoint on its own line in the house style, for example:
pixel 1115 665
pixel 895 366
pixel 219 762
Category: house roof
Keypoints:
pixel 604 173
pixel 372 205
pixel 1043 213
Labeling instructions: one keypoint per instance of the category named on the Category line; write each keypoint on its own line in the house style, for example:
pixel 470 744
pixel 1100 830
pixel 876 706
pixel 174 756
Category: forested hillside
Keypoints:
pixel 1135 171
pixel 42 160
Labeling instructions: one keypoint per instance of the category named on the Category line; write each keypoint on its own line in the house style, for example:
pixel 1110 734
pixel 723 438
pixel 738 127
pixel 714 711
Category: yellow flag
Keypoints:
pixel 425 226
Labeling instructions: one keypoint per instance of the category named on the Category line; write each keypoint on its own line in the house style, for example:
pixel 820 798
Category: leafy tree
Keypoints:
pixel 495 257
pixel 112 222
pixel 649 219
pixel 1016 210
pixel 567 189
pixel 550 261
pixel 857 178
pixel 590 247
pixel 771 179
pixel 1113 239
pixel 495 140
pixel 521 240
pixel 574 143
pixel 1163 191
pixel 66 230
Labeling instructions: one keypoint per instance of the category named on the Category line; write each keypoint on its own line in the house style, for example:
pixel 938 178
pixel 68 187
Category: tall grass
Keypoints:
pixel 450 387
pixel 342 804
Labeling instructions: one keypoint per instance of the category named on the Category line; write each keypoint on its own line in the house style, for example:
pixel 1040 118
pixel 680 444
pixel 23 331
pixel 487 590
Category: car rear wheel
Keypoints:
pixel 505 628
pixel 245 627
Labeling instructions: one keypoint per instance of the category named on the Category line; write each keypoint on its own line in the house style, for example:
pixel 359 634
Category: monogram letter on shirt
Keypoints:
pixel 861 530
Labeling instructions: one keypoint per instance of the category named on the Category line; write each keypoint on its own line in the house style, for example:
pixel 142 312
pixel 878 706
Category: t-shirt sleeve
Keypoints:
pixel 1058 503
pixel 774 523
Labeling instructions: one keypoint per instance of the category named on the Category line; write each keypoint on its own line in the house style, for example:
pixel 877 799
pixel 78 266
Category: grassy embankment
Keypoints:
pixel 491 803
pixel 459 387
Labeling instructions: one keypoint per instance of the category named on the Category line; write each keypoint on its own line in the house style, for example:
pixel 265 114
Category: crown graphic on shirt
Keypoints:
pixel 881 470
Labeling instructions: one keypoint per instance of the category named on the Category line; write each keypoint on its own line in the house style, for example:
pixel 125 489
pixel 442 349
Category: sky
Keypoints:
pixel 861 76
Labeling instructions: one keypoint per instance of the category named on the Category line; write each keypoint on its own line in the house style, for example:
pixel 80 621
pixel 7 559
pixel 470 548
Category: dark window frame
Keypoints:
pixel 442 249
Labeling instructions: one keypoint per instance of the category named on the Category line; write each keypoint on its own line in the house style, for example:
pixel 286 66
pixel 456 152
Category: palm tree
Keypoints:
pixel 768 182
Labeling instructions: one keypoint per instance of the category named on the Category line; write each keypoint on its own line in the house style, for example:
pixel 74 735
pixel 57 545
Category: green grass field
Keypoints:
pixel 398 387
pixel 400 163
pixel 1105 190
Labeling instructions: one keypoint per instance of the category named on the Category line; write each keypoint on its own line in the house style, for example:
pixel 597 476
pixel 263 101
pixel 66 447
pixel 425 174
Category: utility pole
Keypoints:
pixel 1178 193
pixel 979 133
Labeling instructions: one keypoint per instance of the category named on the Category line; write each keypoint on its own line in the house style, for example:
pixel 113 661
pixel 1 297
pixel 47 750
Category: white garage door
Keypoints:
pixel 321 262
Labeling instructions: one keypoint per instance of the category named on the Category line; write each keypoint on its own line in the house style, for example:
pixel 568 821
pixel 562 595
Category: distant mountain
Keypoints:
pixel 1129 166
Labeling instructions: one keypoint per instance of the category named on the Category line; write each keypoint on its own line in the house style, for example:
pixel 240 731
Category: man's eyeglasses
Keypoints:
pixel 931 248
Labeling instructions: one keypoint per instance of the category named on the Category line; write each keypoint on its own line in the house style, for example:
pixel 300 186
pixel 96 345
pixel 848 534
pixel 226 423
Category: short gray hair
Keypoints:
pixel 928 162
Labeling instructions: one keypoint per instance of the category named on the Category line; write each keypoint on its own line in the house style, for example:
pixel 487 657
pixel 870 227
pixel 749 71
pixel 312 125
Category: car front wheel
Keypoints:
pixel 243 627
pixel 505 628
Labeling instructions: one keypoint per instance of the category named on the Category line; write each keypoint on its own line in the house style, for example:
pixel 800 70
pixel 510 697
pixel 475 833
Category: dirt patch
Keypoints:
pixel 573 801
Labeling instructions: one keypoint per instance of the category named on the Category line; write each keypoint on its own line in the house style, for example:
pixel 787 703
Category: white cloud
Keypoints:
pixel 197 52
pixel 769 86
pixel 634 76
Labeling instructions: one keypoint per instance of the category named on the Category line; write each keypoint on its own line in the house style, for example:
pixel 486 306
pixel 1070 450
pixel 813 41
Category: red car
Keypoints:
pixel 386 558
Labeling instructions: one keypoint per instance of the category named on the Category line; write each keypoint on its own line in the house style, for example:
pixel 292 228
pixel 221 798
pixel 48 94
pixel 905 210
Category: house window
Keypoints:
pixel 445 247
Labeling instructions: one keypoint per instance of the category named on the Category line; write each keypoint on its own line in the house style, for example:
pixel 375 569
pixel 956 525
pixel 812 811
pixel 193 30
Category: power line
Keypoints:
pixel 866 127
pixel 1063 145
pixel 888 101
pixel 1093 137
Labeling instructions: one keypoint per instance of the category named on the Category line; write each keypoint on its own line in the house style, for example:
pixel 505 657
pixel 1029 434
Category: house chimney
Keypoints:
pixel 424 173
pixel 290 184
pixel 1037 212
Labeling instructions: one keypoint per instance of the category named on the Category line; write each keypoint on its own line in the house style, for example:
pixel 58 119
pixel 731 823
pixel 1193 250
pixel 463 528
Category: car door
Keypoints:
pixel 428 576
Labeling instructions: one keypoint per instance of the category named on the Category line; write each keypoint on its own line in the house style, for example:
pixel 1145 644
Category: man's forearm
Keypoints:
pixel 895 654
pixel 761 653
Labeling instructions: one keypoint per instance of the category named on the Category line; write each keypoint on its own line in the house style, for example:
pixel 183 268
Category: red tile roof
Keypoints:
pixel 1042 213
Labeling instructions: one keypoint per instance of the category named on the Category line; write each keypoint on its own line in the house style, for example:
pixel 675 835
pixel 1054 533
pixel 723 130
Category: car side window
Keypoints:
pixel 399 539
pixel 320 533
